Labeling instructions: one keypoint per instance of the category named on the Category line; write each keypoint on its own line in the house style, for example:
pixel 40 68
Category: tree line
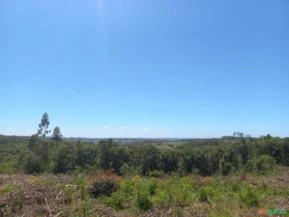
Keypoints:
pixel 51 153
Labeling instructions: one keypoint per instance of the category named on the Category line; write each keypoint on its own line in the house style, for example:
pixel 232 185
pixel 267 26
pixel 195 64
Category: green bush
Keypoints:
pixel 249 197
pixel 103 188
pixel 235 187
pixel 32 164
pixel 126 186
pixel 133 193
pixel 174 192
pixel 264 163
pixel 117 200
pixel 143 189
pixel 64 158
pixel 126 170
pixel 161 197
pixel 203 195
pixel 122 198
pixel 182 192
pixel 150 185
pixel 143 203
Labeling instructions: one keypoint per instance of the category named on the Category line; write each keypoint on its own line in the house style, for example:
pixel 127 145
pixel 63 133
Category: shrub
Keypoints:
pixel 174 192
pixel 249 167
pixel 126 170
pixel 235 186
pixel 264 163
pixel 183 191
pixel 143 203
pixel 161 197
pixel 226 167
pixel 133 193
pixel 126 186
pixel 150 185
pixel 205 194
pixel 103 188
pixel 117 200
pixel 142 191
pixel 64 159
pixel 122 198
pixel 32 164
pixel 202 195
pixel 82 191
pixel 249 197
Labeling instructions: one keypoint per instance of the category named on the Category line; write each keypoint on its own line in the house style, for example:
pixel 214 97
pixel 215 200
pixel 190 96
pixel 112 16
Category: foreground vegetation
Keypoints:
pixel 106 194
pixel 46 175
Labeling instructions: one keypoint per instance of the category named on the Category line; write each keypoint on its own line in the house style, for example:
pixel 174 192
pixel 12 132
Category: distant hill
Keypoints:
pixel 13 139
pixel 124 140
pixel 5 139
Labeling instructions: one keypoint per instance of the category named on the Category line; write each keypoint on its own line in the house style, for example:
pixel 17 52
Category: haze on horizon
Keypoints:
pixel 104 68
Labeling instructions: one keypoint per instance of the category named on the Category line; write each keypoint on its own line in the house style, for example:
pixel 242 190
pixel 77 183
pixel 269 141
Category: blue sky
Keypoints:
pixel 130 68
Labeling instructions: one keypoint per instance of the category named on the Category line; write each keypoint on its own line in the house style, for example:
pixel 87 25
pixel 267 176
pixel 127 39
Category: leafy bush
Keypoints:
pixel 122 198
pixel 203 195
pixel 126 170
pixel 32 164
pixel 103 188
pixel 150 185
pixel 143 203
pixel 85 155
pixel 142 191
pixel 226 167
pixel 134 193
pixel 117 200
pixel 174 192
pixel 235 186
pixel 126 187
pixel 64 158
pixel 161 197
pixel 183 191
pixel 249 197
pixel 264 163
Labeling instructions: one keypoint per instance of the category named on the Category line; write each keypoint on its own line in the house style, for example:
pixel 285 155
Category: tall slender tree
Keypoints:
pixel 43 126
pixel 56 135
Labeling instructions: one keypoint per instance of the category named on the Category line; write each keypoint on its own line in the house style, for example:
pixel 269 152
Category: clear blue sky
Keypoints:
pixel 130 68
